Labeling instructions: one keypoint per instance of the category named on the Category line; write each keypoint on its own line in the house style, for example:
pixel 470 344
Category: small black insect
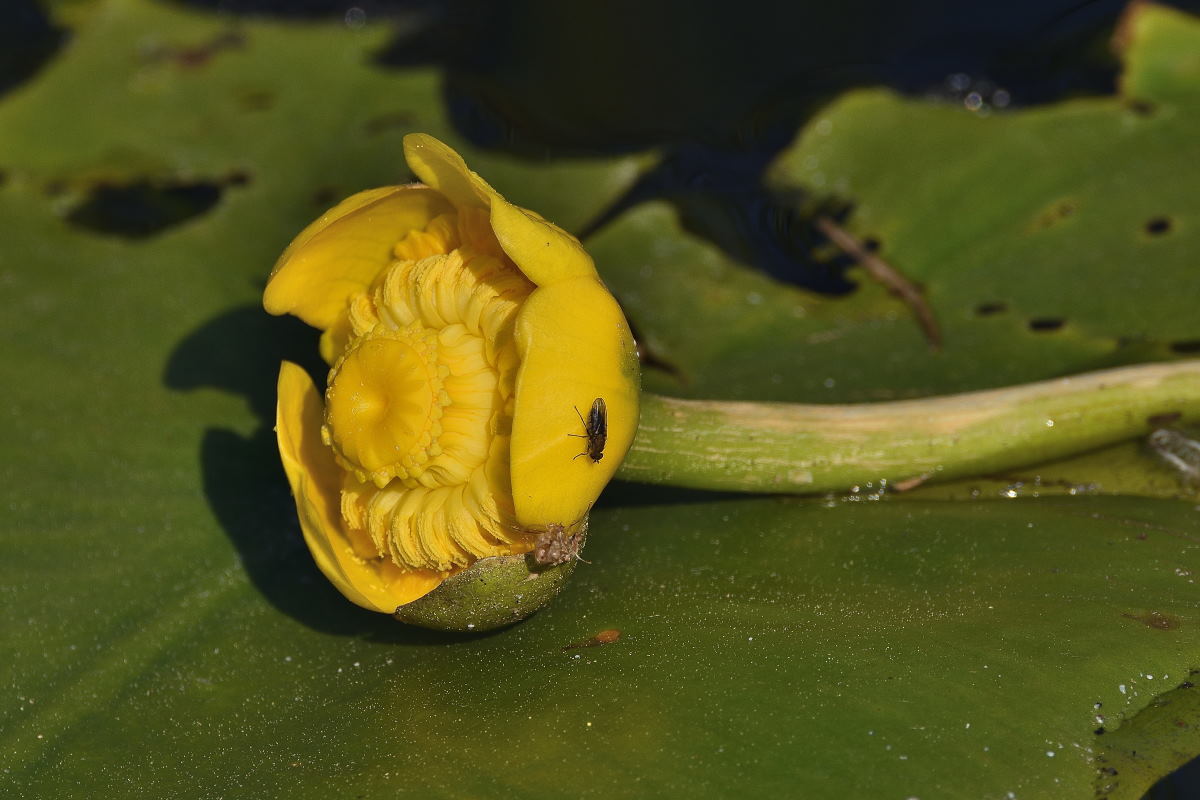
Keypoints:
pixel 596 426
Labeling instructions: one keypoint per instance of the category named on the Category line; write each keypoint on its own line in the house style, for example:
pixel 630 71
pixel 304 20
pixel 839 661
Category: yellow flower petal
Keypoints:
pixel 335 338
pixel 543 251
pixel 437 165
pixel 316 482
pixel 343 251
pixel 575 347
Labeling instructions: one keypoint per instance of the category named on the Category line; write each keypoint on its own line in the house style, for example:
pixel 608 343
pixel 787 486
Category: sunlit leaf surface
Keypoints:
pixel 167 635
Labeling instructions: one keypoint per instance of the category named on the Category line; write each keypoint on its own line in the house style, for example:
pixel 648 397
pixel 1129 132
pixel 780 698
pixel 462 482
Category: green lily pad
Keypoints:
pixel 958 202
pixel 712 327
pixel 1048 240
pixel 915 649
pixel 297 115
pixel 168 635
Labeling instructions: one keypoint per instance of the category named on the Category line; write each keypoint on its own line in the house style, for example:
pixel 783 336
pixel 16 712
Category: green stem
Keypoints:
pixel 784 447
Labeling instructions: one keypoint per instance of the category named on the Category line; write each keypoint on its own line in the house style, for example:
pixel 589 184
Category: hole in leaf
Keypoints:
pixel 324 196
pixel 238 177
pixel 1187 346
pixel 1156 226
pixel 255 100
pixel 1142 108
pixel 1046 324
pixel 142 209
pixel 989 309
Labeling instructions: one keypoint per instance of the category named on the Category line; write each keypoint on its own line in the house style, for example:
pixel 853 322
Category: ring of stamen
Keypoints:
pixel 384 403
pixel 419 406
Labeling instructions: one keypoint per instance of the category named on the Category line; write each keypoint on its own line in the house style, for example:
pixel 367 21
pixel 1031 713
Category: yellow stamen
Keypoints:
pixel 383 405
pixel 419 405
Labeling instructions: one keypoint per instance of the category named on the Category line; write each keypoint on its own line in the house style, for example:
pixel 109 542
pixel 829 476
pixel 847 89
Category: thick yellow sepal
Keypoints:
pixel 575 346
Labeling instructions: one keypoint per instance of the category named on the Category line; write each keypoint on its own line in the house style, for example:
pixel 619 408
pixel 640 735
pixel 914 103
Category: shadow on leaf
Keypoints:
pixel 239 352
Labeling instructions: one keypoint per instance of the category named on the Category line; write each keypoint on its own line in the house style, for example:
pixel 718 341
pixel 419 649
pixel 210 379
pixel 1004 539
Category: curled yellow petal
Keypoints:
pixel 316 483
pixel 440 167
pixel 542 250
pixel 575 348
pixel 344 250
pixel 545 252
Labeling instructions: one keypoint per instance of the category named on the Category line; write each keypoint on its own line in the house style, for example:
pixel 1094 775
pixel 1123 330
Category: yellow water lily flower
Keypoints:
pixel 468 341
pixel 483 389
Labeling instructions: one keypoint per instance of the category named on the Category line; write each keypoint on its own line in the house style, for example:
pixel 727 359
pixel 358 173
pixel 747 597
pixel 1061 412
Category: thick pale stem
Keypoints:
pixel 782 447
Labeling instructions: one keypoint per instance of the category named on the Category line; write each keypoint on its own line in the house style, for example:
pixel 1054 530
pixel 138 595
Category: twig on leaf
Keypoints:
pixel 883 272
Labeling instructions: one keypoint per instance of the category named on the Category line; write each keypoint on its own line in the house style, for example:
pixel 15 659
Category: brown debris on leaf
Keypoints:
pixel 607 636
pixel 886 274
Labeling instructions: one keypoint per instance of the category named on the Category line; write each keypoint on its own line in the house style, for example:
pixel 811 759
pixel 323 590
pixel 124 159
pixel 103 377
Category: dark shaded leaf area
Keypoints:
pixel 1026 170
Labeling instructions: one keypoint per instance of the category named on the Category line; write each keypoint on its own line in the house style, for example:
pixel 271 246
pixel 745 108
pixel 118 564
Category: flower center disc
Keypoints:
pixel 382 406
